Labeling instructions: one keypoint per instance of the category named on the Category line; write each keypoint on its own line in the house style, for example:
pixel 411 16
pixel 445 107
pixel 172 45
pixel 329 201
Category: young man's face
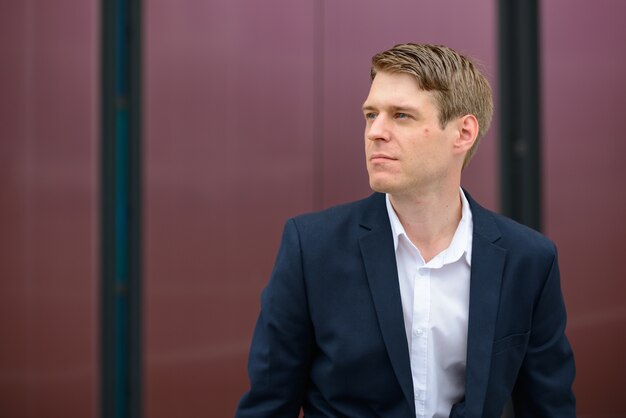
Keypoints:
pixel 407 151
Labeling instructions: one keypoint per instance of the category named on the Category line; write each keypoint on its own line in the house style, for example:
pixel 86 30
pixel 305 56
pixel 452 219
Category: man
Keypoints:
pixel 415 301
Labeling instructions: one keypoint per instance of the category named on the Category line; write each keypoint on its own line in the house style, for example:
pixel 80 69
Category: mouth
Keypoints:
pixel 381 158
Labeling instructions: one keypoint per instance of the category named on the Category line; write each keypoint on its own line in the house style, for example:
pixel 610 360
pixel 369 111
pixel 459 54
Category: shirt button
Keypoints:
pixel 418 332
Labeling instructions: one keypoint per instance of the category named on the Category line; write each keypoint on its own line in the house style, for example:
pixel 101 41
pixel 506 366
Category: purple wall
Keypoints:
pixel 48 208
pixel 253 115
pixel 229 135
pixel 584 63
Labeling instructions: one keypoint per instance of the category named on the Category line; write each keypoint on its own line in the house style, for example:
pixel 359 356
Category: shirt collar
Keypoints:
pixel 460 245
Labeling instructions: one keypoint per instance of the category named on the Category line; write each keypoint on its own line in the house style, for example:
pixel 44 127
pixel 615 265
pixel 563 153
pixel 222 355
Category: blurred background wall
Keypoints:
pixel 251 114
pixel 48 208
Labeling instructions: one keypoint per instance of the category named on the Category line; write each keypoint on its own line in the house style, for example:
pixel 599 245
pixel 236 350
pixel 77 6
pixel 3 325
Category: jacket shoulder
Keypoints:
pixel 516 238
pixel 337 216
pixel 516 235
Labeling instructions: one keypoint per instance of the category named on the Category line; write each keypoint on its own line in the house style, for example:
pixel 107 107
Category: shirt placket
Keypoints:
pixel 419 337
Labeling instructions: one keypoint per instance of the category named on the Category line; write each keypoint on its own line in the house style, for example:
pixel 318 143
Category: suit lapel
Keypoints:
pixel 382 274
pixel 486 277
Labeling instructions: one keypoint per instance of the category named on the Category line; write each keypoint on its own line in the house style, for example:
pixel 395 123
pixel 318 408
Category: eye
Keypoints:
pixel 401 115
pixel 370 116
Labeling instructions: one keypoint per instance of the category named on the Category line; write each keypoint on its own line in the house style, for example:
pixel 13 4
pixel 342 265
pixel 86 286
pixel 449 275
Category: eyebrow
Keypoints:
pixel 393 108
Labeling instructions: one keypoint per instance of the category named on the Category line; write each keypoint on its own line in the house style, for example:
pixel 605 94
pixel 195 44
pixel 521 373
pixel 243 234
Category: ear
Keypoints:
pixel 467 129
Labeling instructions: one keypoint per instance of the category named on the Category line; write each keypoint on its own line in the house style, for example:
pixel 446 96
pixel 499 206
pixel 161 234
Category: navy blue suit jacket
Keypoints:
pixel 330 337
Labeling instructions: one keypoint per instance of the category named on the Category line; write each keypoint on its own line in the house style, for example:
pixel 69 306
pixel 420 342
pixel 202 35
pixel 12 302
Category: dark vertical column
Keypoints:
pixel 520 157
pixel 120 336
pixel 135 208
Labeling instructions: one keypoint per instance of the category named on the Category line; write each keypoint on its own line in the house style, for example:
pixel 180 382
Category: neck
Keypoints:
pixel 429 219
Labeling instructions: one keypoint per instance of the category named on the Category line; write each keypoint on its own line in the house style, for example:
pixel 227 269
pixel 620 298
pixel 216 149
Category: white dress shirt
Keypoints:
pixel 435 304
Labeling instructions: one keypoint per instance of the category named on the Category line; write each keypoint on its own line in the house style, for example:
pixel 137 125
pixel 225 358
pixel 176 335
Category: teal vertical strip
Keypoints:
pixel 121 264
pixel 120 203
pixel 122 180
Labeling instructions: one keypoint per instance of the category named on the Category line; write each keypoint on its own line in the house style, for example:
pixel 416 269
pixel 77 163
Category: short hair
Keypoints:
pixel 458 87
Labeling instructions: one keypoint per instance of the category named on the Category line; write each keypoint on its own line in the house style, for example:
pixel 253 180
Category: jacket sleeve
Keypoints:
pixel 280 353
pixel 544 385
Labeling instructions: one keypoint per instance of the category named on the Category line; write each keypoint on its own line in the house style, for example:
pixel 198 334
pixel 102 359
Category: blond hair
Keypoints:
pixel 458 87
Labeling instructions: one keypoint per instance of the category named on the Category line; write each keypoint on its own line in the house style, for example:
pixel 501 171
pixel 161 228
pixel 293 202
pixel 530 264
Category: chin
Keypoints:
pixel 380 186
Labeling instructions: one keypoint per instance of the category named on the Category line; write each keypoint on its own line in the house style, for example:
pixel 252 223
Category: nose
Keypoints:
pixel 378 129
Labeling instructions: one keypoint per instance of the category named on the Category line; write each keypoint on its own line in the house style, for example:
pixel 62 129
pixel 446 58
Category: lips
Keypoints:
pixel 381 157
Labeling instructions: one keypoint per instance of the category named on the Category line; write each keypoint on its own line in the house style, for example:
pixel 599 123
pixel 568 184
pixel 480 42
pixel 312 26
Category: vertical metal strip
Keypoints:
pixel 135 306
pixel 120 216
pixel 520 142
pixel 120 301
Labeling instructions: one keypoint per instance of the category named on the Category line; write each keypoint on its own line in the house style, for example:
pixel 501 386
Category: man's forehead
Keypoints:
pixel 399 84
pixel 397 99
